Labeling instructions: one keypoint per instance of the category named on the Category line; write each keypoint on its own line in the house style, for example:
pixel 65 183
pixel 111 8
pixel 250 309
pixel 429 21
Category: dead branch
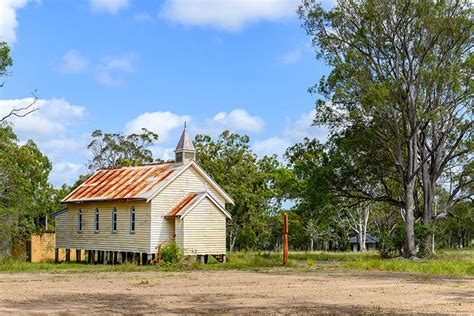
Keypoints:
pixel 23 111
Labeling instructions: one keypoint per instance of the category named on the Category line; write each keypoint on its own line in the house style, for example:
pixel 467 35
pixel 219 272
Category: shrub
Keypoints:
pixel 170 253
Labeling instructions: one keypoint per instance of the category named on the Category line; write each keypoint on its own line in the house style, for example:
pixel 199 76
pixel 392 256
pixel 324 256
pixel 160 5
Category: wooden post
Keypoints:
pixel 93 256
pixel 285 239
pixel 104 257
pixel 149 258
pixel 78 255
pixel 56 255
pixel 68 255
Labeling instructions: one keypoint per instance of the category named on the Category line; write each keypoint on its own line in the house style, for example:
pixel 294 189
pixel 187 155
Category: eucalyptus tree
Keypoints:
pixel 25 193
pixel 112 150
pixel 402 70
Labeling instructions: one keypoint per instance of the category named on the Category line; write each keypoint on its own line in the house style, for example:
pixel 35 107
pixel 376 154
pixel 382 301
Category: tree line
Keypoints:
pixel 397 165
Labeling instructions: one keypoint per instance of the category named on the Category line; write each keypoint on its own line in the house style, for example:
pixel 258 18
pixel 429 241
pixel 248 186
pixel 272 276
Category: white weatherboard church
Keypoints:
pixel 129 211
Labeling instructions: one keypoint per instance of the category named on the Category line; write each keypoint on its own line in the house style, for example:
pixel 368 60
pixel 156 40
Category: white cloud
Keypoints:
pixel 293 132
pixel 273 145
pixel 123 63
pixel 52 128
pixel 164 153
pixel 109 71
pixel 161 123
pixel 73 63
pixel 229 15
pixel 291 57
pixel 238 120
pixel 108 6
pixel 296 130
pixel 8 21
pixel 112 67
pixel 49 120
pixel 107 79
pixel 66 172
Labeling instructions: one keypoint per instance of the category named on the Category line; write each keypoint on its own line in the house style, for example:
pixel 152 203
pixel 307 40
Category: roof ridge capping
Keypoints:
pixel 139 166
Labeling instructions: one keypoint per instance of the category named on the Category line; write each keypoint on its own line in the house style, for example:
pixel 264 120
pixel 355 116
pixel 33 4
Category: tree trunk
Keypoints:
pixel 410 250
pixel 311 244
pixel 428 201
pixel 362 238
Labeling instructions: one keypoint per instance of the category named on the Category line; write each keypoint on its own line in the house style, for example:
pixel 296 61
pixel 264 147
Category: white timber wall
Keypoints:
pixel 67 235
pixel 204 230
pixel 189 181
pixel 179 228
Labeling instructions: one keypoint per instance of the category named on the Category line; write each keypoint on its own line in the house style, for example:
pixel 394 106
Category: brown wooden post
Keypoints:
pixel 285 239
pixel 78 255
pixel 93 256
pixel 68 255
pixel 56 255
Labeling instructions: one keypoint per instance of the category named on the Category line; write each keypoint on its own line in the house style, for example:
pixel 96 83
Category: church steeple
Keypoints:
pixel 185 149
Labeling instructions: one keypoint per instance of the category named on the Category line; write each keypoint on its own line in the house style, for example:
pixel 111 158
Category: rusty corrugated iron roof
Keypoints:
pixel 182 204
pixel 122 183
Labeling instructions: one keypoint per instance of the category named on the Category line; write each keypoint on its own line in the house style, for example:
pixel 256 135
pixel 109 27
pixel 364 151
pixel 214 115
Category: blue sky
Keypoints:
pixel 119 65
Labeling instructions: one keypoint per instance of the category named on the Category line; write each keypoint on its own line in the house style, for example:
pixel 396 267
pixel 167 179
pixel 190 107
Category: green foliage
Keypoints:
pixel 170 253
pixel 397 101
pixel 457 229
pixel 437 267
pixel 251 181
pixel 25 194
pixel 117 150
pixel 391 242
pixel 453 262
pixel 5 59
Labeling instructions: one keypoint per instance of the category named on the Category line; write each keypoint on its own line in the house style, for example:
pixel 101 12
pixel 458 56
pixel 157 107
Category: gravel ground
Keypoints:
pixel 268 291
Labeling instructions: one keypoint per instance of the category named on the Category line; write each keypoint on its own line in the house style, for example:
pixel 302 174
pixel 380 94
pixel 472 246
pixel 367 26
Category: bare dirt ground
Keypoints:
pixel 268 291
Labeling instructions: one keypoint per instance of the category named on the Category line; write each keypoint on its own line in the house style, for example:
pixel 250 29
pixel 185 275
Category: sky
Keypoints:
pixel 123 65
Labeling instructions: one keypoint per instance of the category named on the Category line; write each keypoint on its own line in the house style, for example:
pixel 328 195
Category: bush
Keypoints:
pixel 170 253
pixel 391 243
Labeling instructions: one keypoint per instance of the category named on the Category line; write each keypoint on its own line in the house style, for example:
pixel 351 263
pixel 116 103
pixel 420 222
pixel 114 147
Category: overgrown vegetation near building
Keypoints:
pixel 448 262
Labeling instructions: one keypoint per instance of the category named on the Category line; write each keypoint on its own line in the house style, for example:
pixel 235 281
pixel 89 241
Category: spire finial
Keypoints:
pixel 185 149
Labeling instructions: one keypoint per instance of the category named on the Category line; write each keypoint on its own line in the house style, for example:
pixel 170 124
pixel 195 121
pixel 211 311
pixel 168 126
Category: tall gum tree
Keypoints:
pixel 404 70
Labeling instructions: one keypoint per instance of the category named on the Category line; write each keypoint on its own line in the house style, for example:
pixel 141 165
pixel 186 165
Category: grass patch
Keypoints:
pixel 459 262
pixel 429 266
pixel 449 262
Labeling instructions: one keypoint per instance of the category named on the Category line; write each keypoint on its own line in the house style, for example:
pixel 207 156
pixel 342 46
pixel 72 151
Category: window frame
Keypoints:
pixel 133 220
pixel 114 220
pixel 96 221
pixel 79 220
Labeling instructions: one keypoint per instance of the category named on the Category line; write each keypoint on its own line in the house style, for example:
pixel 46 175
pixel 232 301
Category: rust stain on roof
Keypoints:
pixel 122 183
pixel 184 202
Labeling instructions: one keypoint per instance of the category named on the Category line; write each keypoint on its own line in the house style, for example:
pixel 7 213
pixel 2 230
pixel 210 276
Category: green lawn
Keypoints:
pixel 449 262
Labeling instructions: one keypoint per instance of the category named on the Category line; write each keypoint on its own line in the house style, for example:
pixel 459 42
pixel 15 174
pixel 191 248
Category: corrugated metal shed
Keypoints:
pixel 122 183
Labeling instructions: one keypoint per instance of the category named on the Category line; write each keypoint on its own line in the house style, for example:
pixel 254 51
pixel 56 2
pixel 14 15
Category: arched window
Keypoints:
pixel 114 220
pixel 79 220
pixel 96 221
pixel 132 220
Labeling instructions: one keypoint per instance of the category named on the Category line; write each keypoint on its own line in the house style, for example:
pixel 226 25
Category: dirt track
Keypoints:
pixel 272 291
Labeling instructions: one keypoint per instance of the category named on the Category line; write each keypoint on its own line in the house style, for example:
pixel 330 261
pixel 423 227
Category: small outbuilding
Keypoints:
pixel 131 211
pixel 371 243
